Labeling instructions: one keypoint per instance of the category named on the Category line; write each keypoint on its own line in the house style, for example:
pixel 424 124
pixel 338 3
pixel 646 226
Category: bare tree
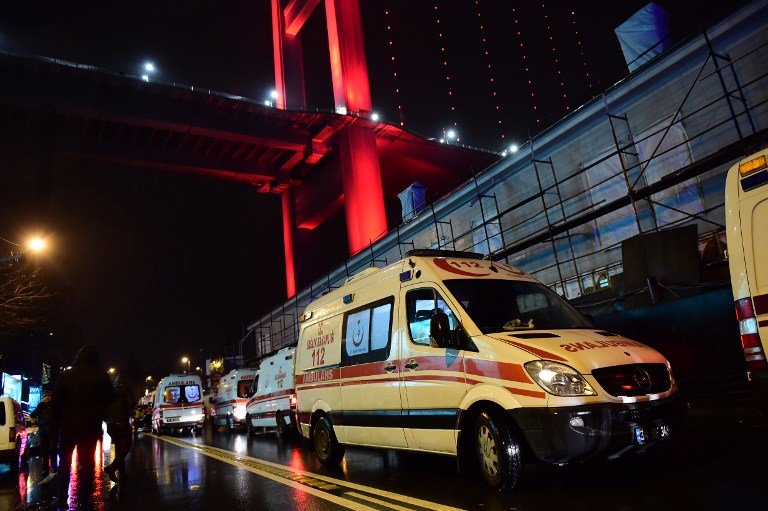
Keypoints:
pixel 24 300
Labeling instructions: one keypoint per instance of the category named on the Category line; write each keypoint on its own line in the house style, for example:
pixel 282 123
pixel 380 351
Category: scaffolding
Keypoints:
pixel 649 153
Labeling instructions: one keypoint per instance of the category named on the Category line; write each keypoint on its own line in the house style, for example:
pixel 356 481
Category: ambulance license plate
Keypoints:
pixel 171 419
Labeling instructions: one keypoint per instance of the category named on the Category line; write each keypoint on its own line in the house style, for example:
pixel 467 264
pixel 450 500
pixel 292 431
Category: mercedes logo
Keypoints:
pixel 642 378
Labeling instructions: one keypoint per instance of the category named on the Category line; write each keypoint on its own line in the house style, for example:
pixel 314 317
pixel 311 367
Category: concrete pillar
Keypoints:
pixel 290 272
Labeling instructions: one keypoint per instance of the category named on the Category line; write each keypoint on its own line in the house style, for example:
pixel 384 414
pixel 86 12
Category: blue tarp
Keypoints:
pixel 413 200
pixel 644 35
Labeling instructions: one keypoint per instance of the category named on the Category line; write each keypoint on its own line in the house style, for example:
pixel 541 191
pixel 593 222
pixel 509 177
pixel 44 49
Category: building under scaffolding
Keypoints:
pixel 649 153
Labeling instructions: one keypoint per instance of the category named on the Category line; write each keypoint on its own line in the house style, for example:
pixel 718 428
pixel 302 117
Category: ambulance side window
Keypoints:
pixel 367 333
pixel 421 305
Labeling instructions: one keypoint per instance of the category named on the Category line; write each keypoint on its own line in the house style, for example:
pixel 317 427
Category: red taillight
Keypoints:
pixel 293 401
pixel 750 337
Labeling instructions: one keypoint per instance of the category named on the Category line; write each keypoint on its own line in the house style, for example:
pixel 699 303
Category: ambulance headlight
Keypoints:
pixel 559 379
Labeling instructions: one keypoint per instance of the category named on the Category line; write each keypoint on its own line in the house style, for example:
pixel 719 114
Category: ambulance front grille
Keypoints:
pixel 634 379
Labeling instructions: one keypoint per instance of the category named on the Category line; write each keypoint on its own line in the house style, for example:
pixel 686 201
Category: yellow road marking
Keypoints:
pixel 341 482
pixel 268 475
pixel 371 499
pixel 277 472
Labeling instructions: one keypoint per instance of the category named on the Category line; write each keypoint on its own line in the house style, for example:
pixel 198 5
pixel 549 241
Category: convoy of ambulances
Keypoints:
pixel 228 407
pixel 746 219
pixel 274 402
pixel 447 353
pixel 178 404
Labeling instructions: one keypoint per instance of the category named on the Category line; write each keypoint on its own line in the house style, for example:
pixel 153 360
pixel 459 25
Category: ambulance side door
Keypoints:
pixel 432 376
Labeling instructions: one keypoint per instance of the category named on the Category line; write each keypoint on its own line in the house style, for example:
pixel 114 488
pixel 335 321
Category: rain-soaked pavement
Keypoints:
pixel 718 462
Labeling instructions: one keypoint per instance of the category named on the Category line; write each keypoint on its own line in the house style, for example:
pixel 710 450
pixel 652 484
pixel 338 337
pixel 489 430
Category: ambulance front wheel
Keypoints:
pixel 498 452
pixel 329 451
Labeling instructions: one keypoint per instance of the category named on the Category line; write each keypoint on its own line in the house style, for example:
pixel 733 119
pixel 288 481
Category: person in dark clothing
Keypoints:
pixel 45 427
pixel 119 427
pixel 79 402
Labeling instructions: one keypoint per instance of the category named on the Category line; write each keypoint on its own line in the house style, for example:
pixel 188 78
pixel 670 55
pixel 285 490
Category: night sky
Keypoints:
pixel 169 265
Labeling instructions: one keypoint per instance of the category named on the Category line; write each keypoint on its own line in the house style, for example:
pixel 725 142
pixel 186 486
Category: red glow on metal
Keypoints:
pixel 361 179
pixel 290 274
pixel 324 214
pixel 349 71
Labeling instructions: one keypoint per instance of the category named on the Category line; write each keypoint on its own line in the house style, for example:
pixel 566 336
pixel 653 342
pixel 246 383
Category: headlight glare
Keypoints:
pixel 559 379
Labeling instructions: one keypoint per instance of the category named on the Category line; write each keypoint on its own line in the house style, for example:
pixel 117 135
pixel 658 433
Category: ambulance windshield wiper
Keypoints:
pixel 517 324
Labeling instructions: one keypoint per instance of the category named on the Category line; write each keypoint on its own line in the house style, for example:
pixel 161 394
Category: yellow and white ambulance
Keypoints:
pixel 228 407
pixel 746 220
pixel 447 353
pixel 273 403
pixel 178 404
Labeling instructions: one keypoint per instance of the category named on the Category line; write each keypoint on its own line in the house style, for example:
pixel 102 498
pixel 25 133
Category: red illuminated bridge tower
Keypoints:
pixel 357 153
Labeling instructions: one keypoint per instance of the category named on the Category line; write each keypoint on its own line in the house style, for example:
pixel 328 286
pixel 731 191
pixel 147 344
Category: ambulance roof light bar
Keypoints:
pixel 431 252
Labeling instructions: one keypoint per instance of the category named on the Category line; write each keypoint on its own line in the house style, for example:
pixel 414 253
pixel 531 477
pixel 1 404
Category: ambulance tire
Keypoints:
pixel 499 454
pixel 329 451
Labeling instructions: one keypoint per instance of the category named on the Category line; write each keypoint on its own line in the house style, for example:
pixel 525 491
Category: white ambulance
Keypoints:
pixel 445 352
pixel 178 404
pixel 273 404
pixel 228 407
pixel 746 220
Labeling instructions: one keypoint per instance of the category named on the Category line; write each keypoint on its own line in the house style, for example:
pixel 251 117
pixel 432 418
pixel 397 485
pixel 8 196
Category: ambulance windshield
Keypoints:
pixel 244 388
pixel 511 305
pixel 175 394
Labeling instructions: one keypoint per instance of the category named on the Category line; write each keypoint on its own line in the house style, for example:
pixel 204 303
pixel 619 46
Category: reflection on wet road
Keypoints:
pixel 713 466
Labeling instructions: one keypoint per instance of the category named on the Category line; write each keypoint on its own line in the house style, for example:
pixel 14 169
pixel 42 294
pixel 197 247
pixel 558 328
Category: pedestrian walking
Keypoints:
pixel 43 414
pixel 119 427
pixel 79 402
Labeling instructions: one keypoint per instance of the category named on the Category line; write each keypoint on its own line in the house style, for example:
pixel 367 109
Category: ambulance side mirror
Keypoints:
pixel 439 328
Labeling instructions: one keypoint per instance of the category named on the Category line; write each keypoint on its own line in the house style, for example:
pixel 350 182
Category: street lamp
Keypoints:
pixel 37 244
pixel 198 369
pixel 186 360
pixel 112 370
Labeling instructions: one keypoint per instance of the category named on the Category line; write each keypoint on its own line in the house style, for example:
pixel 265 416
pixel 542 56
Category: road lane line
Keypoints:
pixel 360 496
pixel 339 484
pixel 349 504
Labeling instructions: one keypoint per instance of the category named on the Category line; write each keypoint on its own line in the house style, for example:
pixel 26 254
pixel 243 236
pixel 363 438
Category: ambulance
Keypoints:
pixel 273 403
pixel 445 352
pixel 228 407
pixel 746 221
pixel 178 404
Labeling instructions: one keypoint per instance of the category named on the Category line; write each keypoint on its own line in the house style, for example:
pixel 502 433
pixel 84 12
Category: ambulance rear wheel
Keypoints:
pixel 498 452
pixel 329 451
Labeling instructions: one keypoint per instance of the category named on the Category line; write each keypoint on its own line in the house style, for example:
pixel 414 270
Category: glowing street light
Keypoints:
pixel 375 116
pixel 37 244
pixel 513 148
pixel 145 78
pixel 273 94
pixel 149 67
pixel 450 134
pixel 112 370
pixel 185 360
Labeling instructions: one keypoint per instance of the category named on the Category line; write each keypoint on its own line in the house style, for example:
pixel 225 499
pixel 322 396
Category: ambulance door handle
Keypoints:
pixel 389 368
pixel 412 364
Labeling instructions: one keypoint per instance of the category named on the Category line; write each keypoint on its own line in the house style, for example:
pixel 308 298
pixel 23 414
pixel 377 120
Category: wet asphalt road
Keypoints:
pixel 717 463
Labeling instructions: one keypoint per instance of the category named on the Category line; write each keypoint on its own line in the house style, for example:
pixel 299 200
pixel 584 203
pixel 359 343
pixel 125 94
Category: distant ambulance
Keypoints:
pixel 178 404
pixel 274 402
pixel 746 220
pixel 228 407
pixel 447 353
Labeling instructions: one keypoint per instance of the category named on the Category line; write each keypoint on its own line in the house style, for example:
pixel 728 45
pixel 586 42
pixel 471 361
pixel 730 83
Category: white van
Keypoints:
pixel 228 407
pixel 178 403
pixel 274 402
pixel 447 353
pixel 12 432
pixel 746 221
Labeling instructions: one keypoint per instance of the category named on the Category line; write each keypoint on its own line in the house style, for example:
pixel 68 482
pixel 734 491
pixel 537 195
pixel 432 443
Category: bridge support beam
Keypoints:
pixel 290 271
pixel 289 62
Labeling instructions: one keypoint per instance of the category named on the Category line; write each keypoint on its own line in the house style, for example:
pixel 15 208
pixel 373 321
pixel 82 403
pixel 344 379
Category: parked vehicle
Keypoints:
pixel 178 404
pixel 228 407
pixel 447 353
pixel 746 221
pixel 273 403
pixel 13 432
